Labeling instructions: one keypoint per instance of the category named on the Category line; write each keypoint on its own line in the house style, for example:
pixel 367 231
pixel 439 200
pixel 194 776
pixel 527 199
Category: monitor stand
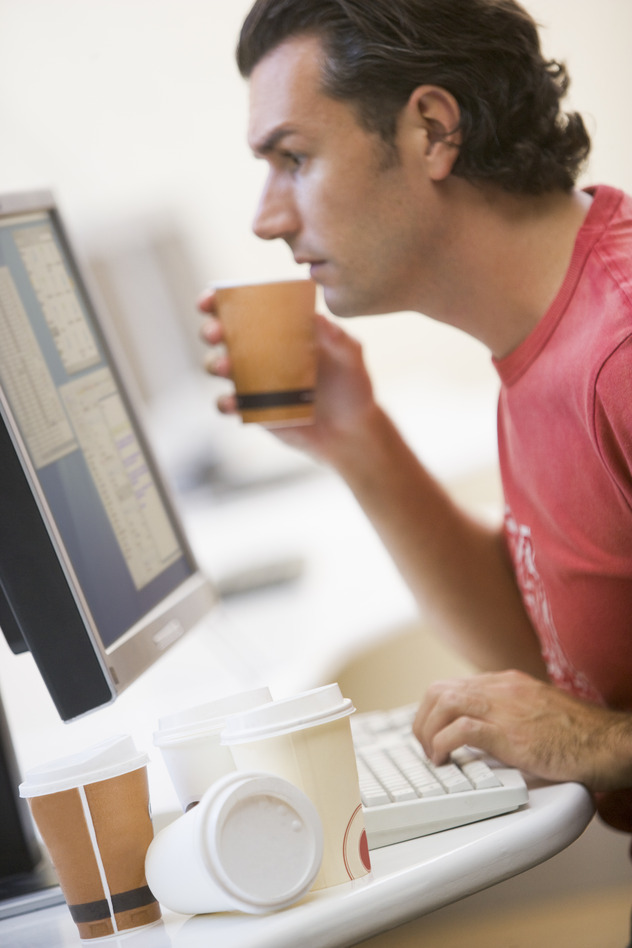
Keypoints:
pixel 27 879
pixel 30 891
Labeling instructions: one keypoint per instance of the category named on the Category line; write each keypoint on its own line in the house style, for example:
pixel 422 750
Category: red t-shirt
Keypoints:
pixel 565 442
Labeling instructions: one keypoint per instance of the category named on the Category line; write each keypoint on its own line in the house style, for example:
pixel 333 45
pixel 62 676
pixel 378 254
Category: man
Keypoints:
pixel 418 160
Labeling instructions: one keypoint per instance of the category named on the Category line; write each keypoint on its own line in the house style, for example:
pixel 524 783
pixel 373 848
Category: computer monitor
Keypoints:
pixel 96 577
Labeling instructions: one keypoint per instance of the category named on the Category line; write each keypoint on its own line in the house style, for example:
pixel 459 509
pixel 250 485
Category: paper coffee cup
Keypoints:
pixel 92 811
pixel 253 844
pixel 307 740
pixel 269 333
pixel 189 741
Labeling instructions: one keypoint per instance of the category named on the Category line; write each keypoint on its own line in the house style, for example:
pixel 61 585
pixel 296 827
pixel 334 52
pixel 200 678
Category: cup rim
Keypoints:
pixel 214 810
pixel 110 758
pixel 206 720
pixel 272 281
pixel 189 734
pixel 297 713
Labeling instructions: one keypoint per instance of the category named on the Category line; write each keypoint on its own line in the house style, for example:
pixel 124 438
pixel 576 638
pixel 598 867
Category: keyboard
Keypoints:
pixel 405 796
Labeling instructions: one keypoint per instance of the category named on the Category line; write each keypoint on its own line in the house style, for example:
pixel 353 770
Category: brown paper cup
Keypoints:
pixel 92 811
pixel 269 333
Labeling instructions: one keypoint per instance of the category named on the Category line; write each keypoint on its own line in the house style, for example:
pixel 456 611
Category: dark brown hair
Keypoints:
pixel 486 53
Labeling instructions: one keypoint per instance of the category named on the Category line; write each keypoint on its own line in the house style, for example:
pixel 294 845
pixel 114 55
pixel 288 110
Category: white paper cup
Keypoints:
pixel 189 741
pixel 253 844
pixel 307 740
pixel 92 810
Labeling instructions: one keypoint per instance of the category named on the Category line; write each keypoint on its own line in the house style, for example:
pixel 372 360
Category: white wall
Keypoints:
pixel 133 110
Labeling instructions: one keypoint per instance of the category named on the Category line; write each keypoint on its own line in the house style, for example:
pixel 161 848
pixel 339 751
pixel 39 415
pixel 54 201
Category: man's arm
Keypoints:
pixel 456 568
pixel 460 574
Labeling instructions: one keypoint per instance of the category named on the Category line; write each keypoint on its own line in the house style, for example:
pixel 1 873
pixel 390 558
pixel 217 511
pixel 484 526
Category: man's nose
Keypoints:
pixel 276 215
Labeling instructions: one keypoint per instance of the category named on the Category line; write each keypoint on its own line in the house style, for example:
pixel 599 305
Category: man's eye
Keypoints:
pixel 293 159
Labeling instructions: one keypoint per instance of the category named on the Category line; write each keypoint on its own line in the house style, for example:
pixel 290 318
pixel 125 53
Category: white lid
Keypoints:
pixel 308 709
pixel 261 838
pixel 111 758
pixel 209 718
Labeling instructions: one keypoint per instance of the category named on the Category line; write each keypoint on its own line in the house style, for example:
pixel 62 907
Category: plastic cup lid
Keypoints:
pixel 261 838
pixel 208 718
pixel 110 758
pixel 309 709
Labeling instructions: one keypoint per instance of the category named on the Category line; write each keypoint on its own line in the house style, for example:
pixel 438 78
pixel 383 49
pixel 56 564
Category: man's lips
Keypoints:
pixel 314 265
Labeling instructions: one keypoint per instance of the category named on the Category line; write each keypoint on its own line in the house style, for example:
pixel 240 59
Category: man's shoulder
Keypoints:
pixel 608 231
pixel 610 206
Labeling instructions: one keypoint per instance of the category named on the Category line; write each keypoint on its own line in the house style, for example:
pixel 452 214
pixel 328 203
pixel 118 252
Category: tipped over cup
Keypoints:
pixel 253 844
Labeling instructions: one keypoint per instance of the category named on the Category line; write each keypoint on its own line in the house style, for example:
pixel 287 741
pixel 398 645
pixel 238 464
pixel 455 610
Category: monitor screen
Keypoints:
pixel 95 572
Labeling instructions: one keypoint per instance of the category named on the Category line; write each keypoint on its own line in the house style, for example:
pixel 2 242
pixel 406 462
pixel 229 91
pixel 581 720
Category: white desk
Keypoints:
pixel 291 638
pixel 409 879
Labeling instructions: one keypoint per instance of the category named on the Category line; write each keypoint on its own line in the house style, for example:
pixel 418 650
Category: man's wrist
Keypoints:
pixel 355 444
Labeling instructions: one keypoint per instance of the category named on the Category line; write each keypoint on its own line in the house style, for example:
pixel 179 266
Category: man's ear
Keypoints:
pixel 433 115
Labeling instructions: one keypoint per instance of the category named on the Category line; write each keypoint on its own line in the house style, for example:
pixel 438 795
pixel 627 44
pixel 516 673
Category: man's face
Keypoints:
pixel 344 204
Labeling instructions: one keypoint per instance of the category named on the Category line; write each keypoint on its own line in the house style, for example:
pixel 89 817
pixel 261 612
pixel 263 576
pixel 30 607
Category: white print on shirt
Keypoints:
pixel 537 605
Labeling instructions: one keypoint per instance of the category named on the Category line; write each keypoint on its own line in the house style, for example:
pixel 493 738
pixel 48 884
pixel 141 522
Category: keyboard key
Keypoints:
pixel 478 772
pixel 452 778
pixel 417 772
pixel 371 790
pixel 390 776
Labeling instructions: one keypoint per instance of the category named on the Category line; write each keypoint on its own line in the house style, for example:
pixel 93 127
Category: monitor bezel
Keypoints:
pixel 80 672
